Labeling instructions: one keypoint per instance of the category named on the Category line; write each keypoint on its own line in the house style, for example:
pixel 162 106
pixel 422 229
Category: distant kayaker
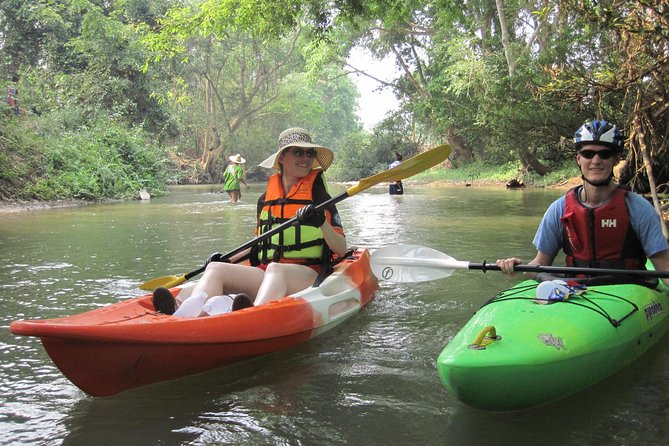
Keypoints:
pixel 233 176
pixel 289 261
pixel 599 224
pixel 396 187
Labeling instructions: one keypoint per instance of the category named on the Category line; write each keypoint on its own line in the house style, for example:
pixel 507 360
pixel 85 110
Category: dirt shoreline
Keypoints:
pixel 8 207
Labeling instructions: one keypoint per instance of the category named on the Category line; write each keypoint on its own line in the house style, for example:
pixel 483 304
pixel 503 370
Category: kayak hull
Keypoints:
pixel 515 353
pixel 129 344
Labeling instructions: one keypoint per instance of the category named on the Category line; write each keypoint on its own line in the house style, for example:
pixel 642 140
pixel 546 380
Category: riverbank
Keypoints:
pixel 566 184
pixel 30 206
pixel 34 205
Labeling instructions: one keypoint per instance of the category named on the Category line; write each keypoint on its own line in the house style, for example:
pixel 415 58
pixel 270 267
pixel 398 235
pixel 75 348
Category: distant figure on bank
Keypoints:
pixel 396 187
pixel 233 175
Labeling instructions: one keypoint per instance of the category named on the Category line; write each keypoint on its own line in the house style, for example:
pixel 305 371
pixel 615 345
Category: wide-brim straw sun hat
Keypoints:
pixel 298 137
pixel 237 159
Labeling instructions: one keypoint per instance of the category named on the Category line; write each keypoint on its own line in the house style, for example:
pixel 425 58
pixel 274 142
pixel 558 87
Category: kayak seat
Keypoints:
pixel 329 267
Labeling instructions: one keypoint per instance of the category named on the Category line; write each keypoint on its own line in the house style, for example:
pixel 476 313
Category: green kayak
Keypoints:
pixel 518 351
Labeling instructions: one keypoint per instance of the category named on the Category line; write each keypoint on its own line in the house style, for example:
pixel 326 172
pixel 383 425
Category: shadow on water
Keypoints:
pixel 183 410
pixel 265 400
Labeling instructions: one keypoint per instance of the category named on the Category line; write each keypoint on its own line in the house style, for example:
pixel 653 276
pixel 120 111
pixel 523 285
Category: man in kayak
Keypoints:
pixel 289 261
pixel 233 176
pixel 599 224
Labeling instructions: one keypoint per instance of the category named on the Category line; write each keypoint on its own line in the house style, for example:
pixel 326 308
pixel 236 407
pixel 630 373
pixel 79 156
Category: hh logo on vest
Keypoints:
pixel 609 223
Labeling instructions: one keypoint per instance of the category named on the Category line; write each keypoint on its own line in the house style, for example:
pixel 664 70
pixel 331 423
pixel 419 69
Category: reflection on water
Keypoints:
pixel 372 380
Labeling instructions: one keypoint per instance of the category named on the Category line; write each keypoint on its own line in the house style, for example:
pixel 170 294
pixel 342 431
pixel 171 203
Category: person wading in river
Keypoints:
pixel 233 176
pixel 396 187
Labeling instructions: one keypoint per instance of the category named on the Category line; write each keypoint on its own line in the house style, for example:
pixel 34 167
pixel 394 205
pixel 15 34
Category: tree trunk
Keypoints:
pixel 505 37
pixel 460 152
pixel 648 166
pixel 211 148
pixel 211 156
pixel 530 162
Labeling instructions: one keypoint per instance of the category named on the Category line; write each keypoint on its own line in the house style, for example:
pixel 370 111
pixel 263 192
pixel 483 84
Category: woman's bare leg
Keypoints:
pixel 234 196
pixel 221 278
pixel 282 279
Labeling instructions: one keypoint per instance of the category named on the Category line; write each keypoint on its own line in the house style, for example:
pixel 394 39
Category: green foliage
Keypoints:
pixel 104 84
pixel 563 172
pixel 103 160
pixel 472 172
pixel 363 155
pixel 107 161
pixel 355 159
pixel 325 105
pixel 261 19
pixel 20 158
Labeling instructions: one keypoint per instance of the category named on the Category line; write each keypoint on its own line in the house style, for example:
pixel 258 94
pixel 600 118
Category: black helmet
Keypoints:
pixel 599 132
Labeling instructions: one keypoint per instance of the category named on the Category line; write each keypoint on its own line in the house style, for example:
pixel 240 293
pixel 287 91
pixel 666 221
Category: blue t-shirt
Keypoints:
pixel 643 218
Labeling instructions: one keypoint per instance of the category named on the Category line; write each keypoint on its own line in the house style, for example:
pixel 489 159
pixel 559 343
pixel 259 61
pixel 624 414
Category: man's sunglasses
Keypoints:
pixel 311 153
pixel 603 154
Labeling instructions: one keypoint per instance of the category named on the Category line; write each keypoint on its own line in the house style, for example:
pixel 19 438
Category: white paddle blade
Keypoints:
pixel 413 263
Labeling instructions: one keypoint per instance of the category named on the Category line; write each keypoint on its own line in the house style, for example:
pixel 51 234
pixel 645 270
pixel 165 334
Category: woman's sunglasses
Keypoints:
pixel 603 154
pixel 311 153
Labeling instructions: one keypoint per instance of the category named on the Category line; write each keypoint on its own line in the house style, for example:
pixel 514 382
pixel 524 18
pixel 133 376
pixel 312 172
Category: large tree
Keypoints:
pixel 240 60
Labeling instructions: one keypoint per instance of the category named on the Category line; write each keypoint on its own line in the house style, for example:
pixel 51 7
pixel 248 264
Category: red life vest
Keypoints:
pixel 600 237
pixel 298 244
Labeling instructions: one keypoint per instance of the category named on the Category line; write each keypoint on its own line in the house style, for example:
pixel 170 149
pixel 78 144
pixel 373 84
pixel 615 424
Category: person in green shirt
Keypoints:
pixel 233 175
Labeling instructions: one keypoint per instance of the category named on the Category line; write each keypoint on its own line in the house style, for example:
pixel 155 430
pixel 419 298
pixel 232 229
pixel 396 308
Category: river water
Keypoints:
pixel 371 380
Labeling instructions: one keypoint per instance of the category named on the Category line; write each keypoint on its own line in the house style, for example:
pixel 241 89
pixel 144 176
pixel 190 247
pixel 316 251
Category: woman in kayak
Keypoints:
pixel 288 261
pixel 599 224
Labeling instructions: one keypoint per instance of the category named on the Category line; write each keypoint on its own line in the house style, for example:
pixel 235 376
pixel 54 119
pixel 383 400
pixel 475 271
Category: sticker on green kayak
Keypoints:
pixel 652 310
pixel 552 341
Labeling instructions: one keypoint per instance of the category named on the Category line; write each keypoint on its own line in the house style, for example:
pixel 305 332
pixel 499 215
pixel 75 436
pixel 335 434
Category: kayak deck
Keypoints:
pixel 515 353
pixel 129 344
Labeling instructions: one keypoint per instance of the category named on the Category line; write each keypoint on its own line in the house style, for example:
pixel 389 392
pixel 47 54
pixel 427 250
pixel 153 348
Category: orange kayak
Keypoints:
pixel 129 344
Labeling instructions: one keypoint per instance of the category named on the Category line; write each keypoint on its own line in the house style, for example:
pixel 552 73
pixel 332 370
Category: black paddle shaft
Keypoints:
pixel 571 270
pixel 265 235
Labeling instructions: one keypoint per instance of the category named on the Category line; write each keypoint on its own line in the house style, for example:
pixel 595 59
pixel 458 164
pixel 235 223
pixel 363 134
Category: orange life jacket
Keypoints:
pixel 298 244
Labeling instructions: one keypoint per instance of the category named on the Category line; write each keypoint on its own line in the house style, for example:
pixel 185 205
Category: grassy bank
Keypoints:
pixel 45 159
pixel 482 173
